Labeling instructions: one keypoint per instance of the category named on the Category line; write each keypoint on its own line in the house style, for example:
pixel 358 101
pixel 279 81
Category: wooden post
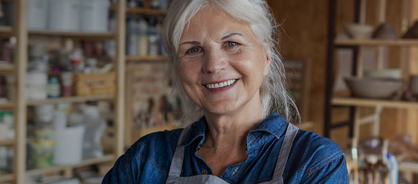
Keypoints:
pixel 363 7
pixel 412 118
pixel 128 108
pixel 20 31
pixel 120 67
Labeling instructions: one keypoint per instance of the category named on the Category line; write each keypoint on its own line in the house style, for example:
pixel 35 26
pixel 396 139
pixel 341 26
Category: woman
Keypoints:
pixel 231 81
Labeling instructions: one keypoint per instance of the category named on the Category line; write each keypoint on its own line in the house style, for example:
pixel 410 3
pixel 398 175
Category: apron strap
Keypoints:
pixel 177 162
pixel 285 151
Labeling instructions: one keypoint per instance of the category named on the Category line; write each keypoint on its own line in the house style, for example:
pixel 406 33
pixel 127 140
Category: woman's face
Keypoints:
pixel 221 62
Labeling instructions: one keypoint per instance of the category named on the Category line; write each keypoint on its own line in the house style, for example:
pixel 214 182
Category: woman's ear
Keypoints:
pixel 267 63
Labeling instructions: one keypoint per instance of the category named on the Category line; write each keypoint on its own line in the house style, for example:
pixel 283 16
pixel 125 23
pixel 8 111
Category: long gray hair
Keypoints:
pixel 257 14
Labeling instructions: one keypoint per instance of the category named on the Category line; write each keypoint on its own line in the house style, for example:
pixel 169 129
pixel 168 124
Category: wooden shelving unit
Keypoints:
pixel 374 103
pixel 146 11
pixel 7 143
pixel 6 178
pixel 143 11
pixel 146 58
pixel 6 105
pixel 6 30
pixel 20 104
pixel 6 68
pixel 376 42
pixel 71 100
pixel 70 34
pixel 83 163
pixel 406 57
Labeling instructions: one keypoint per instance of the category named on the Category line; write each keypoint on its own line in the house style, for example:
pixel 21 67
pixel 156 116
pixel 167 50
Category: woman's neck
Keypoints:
pixel 227 136
pixel 231 130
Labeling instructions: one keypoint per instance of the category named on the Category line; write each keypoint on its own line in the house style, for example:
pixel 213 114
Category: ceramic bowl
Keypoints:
pixel 384 74
pixel 359 31
pixel 373 88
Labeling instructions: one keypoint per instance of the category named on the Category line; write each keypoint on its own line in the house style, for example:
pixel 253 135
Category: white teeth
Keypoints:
pixel 220 85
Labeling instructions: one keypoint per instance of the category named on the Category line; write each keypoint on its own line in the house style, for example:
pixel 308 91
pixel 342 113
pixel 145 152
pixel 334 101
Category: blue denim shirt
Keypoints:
pixel 313 159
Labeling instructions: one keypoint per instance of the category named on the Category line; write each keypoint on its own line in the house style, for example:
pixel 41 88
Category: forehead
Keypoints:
pixel 214 21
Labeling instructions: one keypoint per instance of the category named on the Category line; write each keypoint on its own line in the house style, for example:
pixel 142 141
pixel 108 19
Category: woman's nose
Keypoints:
pixel 214 61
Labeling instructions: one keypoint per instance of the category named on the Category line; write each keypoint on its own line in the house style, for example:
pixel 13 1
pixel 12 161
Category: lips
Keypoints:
pixel 220 84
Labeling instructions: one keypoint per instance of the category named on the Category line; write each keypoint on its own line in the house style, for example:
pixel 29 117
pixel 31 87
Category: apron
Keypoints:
pixel 177 163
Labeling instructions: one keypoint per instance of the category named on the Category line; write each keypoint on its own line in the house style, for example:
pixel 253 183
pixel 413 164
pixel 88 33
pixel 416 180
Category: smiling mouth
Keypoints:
pixel 221 84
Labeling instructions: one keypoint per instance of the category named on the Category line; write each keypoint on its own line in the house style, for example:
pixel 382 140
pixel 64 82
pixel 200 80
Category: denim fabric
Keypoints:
pixel 313 159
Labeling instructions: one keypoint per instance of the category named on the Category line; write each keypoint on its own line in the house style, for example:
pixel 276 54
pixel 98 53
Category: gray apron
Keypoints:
pixel 177 163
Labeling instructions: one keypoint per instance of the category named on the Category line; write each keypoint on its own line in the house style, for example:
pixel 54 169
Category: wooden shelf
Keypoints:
pixel 55 169
pixel 6 105
pixel 73 34
pixel 146 58
pixel 6 178
pixel 6 68
pixel 6 31
pixel 146 11
pixel 70 99
pixel 376 42
pixel 374 103
pixel 7 142
pixel 408 166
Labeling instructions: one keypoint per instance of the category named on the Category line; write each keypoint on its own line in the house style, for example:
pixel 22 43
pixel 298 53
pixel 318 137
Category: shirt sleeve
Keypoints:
pixel 330 171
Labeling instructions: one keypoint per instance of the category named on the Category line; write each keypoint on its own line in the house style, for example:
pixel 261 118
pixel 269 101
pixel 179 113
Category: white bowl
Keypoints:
pixel 374 88
pixel 359 31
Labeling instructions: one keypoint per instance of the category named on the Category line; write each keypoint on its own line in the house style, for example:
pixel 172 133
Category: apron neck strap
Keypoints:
pixel 177 162
pixel 290 135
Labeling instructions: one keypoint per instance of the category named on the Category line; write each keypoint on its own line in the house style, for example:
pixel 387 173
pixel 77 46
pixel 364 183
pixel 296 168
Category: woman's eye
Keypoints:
pixel 194 50
pixel 232 44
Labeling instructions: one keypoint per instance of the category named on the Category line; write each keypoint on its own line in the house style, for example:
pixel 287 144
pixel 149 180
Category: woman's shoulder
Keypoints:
pixel 317 154
pixel 316 142
pixel 317 147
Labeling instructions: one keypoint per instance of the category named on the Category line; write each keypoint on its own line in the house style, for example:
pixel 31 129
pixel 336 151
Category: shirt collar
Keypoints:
pixel 273 124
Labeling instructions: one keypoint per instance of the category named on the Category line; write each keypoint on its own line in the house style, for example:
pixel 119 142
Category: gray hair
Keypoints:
pixel 257 14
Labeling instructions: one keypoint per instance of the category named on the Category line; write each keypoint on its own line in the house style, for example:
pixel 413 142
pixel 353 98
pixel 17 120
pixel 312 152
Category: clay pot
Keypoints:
pixel 374 88
pixel 412 31
pixel 385 31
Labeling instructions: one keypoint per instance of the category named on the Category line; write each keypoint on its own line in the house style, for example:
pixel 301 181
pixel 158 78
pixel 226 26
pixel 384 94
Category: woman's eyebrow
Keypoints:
pixel 231 34
pixel 191 42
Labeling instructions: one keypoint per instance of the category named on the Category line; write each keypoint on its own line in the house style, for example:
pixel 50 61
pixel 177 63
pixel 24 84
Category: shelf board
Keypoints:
pixel 55 169
pixel 6 105
pixel 6 68
pixel 72 34
pixel 70 99
pixel 7 142
pixel 146 11
pixel 6 178
pixel 376 42
pixel 408 166
pixel 146 58
pixel 6 31
pixel 374 103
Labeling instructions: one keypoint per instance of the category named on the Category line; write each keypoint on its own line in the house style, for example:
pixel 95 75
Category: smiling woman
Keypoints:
pixel 231 81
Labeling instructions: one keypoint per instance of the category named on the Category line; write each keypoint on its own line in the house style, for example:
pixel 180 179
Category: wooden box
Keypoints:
pixel 95 84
